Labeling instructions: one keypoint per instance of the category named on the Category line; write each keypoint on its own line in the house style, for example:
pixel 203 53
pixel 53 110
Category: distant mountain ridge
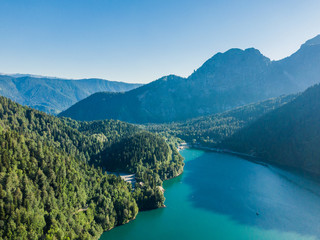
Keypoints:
pixel 52 95
pixel 18 75
pixel 227 80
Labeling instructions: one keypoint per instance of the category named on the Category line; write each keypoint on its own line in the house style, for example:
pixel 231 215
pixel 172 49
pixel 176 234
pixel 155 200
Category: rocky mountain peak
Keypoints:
pixel 313 41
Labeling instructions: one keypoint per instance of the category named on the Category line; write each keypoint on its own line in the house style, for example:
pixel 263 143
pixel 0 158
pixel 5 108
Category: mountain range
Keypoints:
pixel 52 95
pixel 227 80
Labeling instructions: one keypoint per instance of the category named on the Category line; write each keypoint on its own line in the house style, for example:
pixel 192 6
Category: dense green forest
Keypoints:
pixel 53 183
pixel 150 158
pixel 143 151
pixel 289 135
pixel 210 130
pixel 44 193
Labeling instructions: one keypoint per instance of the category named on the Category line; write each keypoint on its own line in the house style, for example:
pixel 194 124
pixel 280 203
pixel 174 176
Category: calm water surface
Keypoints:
pixel 225 197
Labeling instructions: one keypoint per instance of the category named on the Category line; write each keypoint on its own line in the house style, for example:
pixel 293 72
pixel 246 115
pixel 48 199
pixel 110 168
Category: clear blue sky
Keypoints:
pixel 140 41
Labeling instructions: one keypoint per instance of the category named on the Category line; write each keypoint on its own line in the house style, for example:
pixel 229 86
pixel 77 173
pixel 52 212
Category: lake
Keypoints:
pixel 220 196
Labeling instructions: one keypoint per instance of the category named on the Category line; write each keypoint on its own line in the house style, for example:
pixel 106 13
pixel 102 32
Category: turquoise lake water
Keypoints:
pixel 225 197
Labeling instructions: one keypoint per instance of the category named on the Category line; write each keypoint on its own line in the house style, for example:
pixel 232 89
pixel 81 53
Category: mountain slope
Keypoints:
pixel 52 185
pixel 227 80
pixel 144 104
pixel 300 70
pixel 289 135
pixel 53 95
pixel 212 129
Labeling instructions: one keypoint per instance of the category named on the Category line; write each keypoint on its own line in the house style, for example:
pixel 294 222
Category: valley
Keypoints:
pixel 168 159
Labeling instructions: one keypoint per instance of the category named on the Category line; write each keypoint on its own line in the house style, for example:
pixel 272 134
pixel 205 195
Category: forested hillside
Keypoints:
pixel 142 152
pixel 150 158
pixel 210 130
pixel 53 187
pixel 227 80
pixel 288 136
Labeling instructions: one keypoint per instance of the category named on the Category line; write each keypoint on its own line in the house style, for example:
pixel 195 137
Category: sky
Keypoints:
pixel 143 40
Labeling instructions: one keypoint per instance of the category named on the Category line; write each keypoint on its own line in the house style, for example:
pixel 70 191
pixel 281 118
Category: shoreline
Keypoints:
pixel 184 146
pixel 256 160
pixel 193 152
pixel 247 157
pixel 124 177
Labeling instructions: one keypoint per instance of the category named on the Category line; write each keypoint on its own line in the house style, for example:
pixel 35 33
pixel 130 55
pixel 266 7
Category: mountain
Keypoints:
pixel 52 182
pixel 52 95
pixel 300 70
pixel 142 105
pixel 227 80
pixel 17 75
pixel 288 136
pixel 210 130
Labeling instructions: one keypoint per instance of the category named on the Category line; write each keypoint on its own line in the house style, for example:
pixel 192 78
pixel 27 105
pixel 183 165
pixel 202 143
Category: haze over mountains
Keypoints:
pixel 52 95
pixel 227 80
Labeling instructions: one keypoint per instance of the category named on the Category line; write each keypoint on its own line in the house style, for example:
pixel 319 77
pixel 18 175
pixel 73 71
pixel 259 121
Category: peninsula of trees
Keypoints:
pixel 53 183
